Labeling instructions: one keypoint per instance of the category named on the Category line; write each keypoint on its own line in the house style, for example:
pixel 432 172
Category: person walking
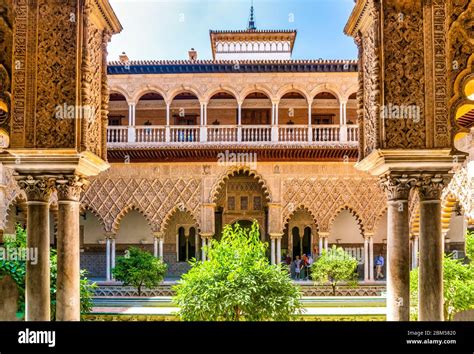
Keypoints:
pixel 304 264
pixel 297 262
pixel 379 263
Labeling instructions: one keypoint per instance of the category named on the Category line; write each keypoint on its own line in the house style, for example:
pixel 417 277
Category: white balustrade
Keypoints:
pixel 353 133
pixel 326 133
pixel 323 134
pixel 150 134
pixel 293 133
pixel 222 133
pixel 117 134
pixel 184 134
pixel 256 133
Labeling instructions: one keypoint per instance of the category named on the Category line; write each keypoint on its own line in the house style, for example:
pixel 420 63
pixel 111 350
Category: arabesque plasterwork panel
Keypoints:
pixel 110 197
pixel 92 86
pixel 404 73
pixel 324 197
pixel 55 76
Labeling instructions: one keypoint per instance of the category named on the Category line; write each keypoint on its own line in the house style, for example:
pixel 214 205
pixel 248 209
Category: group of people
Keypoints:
pixel 300 267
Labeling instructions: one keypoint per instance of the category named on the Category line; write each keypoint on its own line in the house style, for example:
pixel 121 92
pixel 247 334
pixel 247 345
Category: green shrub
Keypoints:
pixel 237 282
pixel 139 268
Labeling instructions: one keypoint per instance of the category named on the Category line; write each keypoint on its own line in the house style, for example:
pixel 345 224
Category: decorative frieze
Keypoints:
pixel 325 197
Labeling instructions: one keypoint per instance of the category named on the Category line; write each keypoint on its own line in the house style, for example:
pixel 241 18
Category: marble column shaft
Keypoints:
pixel 68 304
pixel 398 188
pixel 430 275
pixel 37 284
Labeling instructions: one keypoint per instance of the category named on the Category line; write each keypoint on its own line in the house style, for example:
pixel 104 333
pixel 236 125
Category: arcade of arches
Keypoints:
pixel 331 168
pixel 297 210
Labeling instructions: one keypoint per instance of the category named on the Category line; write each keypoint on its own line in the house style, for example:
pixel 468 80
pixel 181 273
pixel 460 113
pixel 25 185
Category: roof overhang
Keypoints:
pixel 210 152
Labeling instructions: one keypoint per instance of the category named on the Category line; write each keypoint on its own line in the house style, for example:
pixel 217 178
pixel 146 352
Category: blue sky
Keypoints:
pixel 167 29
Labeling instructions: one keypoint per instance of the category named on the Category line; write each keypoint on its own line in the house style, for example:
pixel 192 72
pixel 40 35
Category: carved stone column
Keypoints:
pixel 38 191
pixel 109 236
pixel 398 188
pixel 275 247
pixel 68 281
pixel 415 251
pixel 158 238
pixel 278 248
pixel 155 246
pixel 272 250
pixel 366 259
pixel 105 94
pixel 430 280
pixel 370 236
pixel 206 242
pixel 161 242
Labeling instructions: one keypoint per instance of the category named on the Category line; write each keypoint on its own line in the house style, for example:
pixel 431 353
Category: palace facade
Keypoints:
pixel 250 135
pixel 172 151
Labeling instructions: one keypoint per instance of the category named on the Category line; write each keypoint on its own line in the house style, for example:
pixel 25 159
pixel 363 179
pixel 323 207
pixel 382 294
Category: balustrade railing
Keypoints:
pixel 256 133
pixel 222 133
pixel 117 134
pixel 150 134
pixel 353 133
pixel 293 133
pixel 326 133
pixel 184 134
pixel 315 134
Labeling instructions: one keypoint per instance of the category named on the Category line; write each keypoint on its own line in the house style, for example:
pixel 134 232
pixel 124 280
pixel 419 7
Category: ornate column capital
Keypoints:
pixel 37 188
pixel 397 186
pixel 430 186
pixel 323 234
pixel 276 236
pixel 69 188
pixel 110 235
pixel 206 235
pixel 369 235
pixel 159 234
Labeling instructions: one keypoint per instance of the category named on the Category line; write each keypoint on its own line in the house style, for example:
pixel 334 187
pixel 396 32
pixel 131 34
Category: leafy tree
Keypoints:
pixel 334 266
pixel 237 282
pixel 458 283
pixel 17 270
pixel 14 267
pixel 139 268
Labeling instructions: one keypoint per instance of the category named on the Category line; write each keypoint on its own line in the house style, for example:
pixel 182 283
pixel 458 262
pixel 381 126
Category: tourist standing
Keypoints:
pixel 379 263
pixel 297 263
pixel 304 263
